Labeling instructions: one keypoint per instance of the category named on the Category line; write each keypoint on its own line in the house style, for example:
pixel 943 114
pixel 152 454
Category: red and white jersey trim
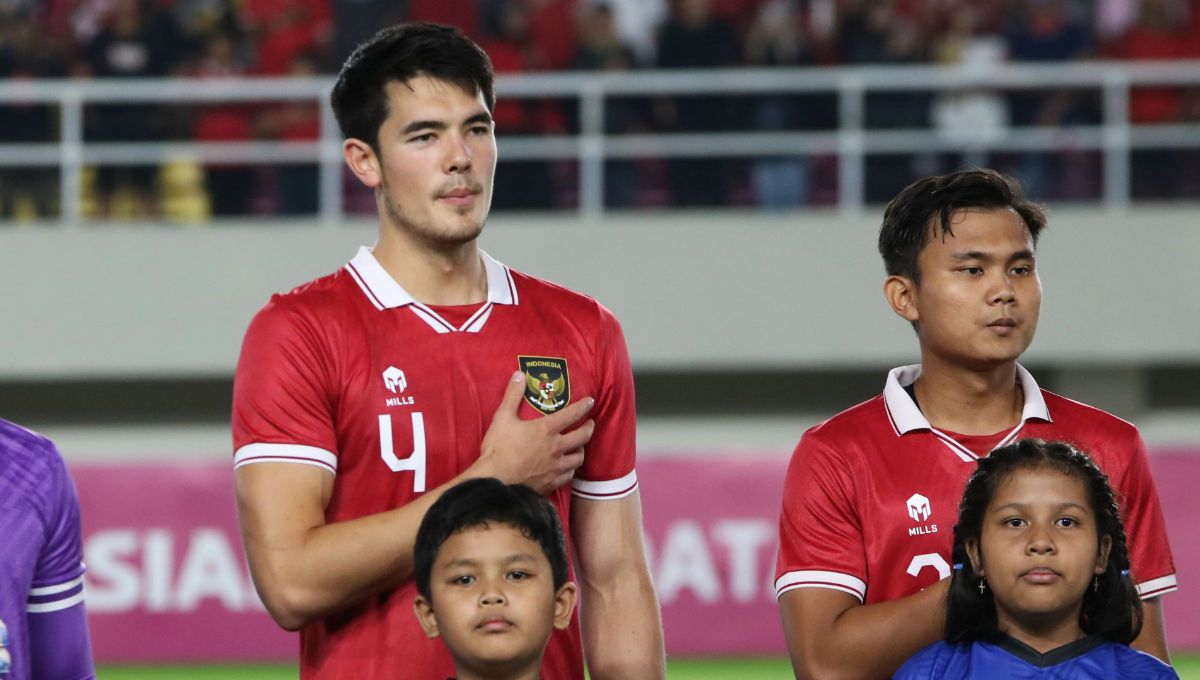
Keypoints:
pixel 285 453
pixel 821 579
pixel 905 417
pixel 385 293
pixel 605 491
pixel 1157 586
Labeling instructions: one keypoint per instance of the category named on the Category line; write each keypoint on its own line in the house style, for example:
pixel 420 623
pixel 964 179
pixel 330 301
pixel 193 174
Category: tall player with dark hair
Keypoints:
pixel 361 396
pixel 871 494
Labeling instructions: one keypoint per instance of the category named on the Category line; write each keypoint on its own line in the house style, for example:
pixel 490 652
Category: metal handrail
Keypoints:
pixel 851 140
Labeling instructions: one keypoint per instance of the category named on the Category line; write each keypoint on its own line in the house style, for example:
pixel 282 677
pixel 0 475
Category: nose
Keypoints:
pixel 1040 542
pixel 1003 292
pixel 492 596
pixel 458 154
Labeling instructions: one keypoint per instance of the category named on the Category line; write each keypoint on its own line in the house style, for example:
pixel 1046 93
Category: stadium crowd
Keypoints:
pixel 220 38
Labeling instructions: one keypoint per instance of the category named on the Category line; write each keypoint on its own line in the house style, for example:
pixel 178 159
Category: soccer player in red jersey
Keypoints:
pixel 871 494
pixel 364 394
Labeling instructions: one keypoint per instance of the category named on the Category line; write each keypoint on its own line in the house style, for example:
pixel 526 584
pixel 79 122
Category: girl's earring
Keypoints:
pixel 1095 584
pixel 982 585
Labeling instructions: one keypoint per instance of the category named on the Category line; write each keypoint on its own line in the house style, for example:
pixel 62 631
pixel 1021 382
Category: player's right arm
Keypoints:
pixel 303 567
pixel 831 635
pixel 822 571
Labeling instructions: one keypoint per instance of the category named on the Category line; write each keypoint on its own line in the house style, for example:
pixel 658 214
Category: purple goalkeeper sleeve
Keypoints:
pixel 59 645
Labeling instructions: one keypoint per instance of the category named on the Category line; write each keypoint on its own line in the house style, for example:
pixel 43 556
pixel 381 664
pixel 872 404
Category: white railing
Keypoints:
pixel 1115 136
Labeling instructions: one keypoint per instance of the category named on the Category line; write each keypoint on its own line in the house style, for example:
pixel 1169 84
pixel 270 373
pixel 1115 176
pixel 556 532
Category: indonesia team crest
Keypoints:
pixel 547 385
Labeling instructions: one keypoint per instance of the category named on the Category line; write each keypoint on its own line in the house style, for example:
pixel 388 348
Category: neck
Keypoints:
pixel 452 275
pixel 1042 633
pixel 528 672
pixel 969 401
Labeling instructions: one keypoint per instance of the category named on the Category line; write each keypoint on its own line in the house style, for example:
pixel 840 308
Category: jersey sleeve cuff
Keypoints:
pixel 821 579
pixel 609 490
pixel 55 597
pixel 285 453
pixel 1157 586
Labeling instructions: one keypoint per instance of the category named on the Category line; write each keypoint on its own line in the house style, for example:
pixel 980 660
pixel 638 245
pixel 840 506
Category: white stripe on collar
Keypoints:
pixel 906 417
pixel 385 293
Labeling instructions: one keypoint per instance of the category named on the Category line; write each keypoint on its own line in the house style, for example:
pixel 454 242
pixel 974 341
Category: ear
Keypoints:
pixel 1102 555
pixel 363 162
pixel 564 605
pixel 424 610
pixel 901 294
pixel 972 547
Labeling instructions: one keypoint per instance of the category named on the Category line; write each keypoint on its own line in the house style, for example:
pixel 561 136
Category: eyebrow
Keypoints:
pixel 1025 506
pixel 468 562
pixel 482 117
pixel 965 255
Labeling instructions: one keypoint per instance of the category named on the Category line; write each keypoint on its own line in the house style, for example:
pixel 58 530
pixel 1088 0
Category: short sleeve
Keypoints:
pixel 608 471
pixel 58 577
pixel 1145 529
pixel 820 536
pixel 282 405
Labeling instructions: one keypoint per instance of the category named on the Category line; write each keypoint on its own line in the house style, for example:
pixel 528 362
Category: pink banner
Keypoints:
pixel 167 579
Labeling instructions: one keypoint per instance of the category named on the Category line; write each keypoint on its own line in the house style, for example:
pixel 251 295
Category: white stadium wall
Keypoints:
pixel 694 291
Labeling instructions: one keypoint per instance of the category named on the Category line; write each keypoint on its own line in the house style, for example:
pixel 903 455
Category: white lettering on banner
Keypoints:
pixel 130 569
pixel 688 560
pixel 686 563
pixel 210 570
pixel 744 538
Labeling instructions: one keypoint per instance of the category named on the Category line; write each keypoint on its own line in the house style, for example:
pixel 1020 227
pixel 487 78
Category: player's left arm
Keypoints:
pixel 622 628
pixel 1153 638
pixel 59 644
pixel 1149 549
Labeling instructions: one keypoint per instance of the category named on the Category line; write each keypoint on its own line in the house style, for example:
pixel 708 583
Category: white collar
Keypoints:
pixel 906 417
pixel 385 293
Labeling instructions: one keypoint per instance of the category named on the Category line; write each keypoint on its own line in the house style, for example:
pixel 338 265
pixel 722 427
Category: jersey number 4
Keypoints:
pixel 415 461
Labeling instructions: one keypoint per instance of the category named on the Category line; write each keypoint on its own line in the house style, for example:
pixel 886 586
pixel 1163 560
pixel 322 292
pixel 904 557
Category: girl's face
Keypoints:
pixel 1039 552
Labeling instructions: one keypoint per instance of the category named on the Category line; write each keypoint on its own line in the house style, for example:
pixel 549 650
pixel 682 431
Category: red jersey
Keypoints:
pixel 350 374
pixel 871 495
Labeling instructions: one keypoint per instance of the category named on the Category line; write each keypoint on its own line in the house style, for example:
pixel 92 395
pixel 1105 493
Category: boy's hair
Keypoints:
pixel 401 53
pixel 1113 611
pixel 479 502
pixel 924 208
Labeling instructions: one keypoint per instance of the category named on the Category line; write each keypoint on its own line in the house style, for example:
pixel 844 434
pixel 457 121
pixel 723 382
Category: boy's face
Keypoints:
pixel 493 600
pixel 979 296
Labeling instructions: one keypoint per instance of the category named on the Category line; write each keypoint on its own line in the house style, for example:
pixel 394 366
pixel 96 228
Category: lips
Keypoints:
pixel 1006 322
pixel 494 624
pixel 1040 576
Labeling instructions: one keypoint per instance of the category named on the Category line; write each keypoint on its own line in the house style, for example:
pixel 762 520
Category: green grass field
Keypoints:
pixel 678 669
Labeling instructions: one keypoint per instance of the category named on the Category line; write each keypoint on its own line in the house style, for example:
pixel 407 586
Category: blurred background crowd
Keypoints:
pixel 86 39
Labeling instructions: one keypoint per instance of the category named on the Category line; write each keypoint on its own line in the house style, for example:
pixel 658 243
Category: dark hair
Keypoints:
pixel 1113 611
pixel 478 502
pixel 401 53
pixel 924 208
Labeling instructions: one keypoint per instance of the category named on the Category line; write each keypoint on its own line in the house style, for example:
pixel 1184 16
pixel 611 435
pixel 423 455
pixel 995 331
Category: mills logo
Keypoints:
pixel 919 510
pixel 396 382
pixel 547 385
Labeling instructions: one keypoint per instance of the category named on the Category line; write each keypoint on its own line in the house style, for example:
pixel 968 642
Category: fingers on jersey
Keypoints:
pixel 543 452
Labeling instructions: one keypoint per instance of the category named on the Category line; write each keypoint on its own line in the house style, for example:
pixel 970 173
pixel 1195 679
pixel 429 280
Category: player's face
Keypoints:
pixel 494 601
pixel 1039 552
pixel 436 157
pixel 979 295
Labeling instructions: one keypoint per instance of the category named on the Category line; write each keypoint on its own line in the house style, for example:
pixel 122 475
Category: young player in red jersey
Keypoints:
pixel 362 395
pixel 871 494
